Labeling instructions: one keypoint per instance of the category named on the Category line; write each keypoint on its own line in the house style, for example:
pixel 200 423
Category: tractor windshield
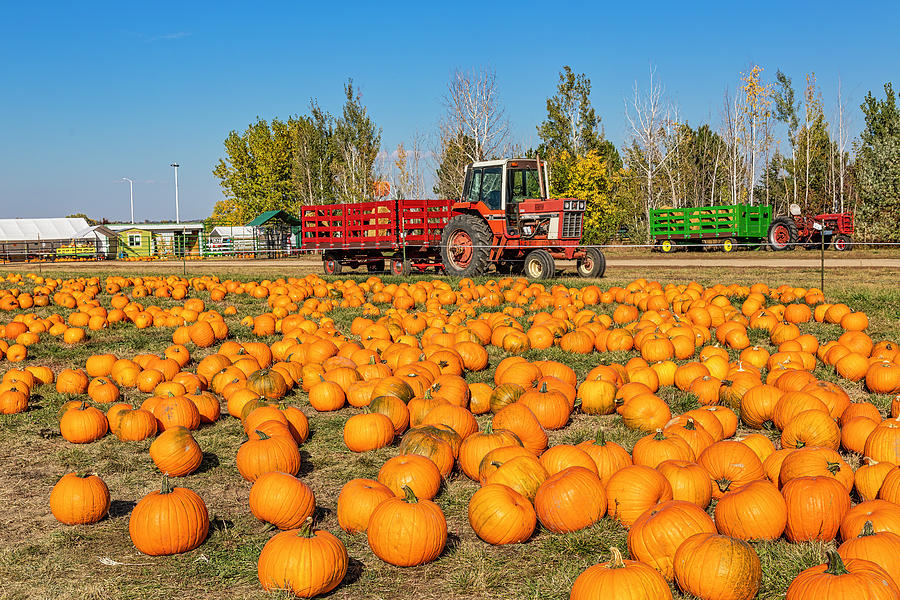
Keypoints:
pixel 523 184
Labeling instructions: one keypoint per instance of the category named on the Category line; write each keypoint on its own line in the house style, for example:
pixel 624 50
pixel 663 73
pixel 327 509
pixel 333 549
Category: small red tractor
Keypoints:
pixel 808 231
pixel 505 219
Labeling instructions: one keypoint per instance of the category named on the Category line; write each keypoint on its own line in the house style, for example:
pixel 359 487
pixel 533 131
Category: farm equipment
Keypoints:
pixel 504 218
pixel 728 226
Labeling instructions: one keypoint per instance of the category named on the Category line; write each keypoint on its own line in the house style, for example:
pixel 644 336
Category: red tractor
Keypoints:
pixel 504 218
pixel 808 231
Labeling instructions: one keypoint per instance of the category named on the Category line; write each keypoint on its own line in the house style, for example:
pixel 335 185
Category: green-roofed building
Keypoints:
pixel 276 231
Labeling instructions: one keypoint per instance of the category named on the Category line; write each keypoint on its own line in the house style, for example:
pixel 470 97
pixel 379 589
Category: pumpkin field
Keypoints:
pixel 658 433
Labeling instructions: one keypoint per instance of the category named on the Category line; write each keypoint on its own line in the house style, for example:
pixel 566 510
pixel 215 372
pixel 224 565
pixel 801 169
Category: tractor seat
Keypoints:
pixel 795 210
pixel 492 199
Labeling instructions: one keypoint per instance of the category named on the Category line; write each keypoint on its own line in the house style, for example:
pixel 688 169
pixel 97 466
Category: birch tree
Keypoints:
pixel 650 119
pixel 754 108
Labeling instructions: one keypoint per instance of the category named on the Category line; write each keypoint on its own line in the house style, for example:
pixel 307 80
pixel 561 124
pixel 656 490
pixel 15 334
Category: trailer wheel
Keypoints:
pixel 540 265
pixel 592 264
pixel 728 245
pixel 842 242
pixel 330 265
pixel 667 246
pixel 400 267
pixel 465 246
pixel 783 233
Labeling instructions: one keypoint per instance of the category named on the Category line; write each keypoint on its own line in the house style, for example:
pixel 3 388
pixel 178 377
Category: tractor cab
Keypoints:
pixel 497 189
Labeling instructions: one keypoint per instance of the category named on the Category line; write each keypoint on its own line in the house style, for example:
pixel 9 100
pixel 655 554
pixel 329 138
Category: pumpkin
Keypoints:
pixel 521 421
pixel 815 462
pixel 634 489
pixel 884 515
pixel 175 411
pixel 717 567
pixel 327 396
pixel 256 457
pixel 304 561
pixel 79 499
pixel 425 441
pixel 756 511
pixel 561 457
pixel 881 548
pixel 690 482
pixel 406 531
pixel 853 578
pixel 357 500
pixel 524 474
pixel 411 470
pixel 570 500
pixel 83 424
pixel 170 521
pixel 730 465
pixel 365 432
pixel 869 478
pixel 608 456
pixel 620 579
pixel 282 500
pixel 815 508
pixel 656 534
pixel 883 444
pixel 175 452
pixel 811 428
pixel 646 412
pixel 658 447
pixel 500 515
pixel 474 448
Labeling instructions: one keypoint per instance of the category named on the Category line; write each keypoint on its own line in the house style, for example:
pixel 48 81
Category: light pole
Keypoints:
pixel 177 218
pixel 131 185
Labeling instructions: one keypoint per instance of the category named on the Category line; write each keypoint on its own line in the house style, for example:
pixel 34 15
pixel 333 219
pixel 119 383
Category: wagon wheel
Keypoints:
pixel 728 245
pixel 330 265
pixel 667 246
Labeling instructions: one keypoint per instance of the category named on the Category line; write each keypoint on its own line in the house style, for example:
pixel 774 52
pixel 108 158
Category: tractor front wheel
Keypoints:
pixel 783 234
pixel 465 246
pixel 540 265
pixel 842 242
pixel 592 264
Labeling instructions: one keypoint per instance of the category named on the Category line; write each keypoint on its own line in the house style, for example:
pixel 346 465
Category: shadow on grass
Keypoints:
pixel 120 508
pixel 210 461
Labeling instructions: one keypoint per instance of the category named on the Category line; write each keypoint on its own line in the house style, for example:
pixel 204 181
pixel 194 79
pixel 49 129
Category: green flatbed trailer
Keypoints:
pixel 719 226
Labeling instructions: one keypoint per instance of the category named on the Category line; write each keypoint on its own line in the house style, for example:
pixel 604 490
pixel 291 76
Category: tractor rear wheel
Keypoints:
pixel 540 265
pixel 842 242
pixel 592 264
pixel 465 246
pixel 783 233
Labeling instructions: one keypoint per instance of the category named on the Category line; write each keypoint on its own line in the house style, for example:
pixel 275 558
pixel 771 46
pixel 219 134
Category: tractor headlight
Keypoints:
pixel 567 205
pixel 581 205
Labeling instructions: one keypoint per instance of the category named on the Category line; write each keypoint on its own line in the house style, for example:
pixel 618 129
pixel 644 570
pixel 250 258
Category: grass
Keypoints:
pixel 41 558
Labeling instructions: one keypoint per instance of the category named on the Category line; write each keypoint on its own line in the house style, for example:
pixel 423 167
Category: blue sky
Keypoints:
pixel 92 92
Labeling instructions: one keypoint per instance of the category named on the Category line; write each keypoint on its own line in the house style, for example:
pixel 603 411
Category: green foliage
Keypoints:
pixel 588 178
pixel 89 220
pixel 305 160
pixel 877 171
pixel 448 181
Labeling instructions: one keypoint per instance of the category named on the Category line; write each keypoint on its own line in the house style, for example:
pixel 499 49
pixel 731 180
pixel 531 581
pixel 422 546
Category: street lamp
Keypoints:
pixel 177 218
pixel 131 185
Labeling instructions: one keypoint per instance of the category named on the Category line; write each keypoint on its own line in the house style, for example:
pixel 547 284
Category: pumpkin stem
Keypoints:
pixel 690 425
pixel 306 530
pixel 262 435
pixel 166 485
pixel 867 530
pixel 410 495
pixel 488 429
pixel 616 561
pixel 543 389
pixel 835 564
pixel 659 435
pixel 723 484
pixel 833 468
pixel 600 439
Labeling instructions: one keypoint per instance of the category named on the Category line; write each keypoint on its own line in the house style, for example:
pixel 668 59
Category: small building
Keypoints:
pixel 277 232
pixel 228 240
pixel 54 239
pixel 164 240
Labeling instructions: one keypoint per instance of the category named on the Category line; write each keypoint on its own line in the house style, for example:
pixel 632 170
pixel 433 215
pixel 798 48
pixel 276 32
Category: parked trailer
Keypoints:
pixel 728 225
pixel 406 233
pixel 505 219
pixel 725 225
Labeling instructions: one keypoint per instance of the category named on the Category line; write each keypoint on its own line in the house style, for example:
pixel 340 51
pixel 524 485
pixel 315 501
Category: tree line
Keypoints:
pixel 773 144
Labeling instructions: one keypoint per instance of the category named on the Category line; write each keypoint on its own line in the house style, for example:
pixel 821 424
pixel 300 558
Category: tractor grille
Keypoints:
pixel 571 227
